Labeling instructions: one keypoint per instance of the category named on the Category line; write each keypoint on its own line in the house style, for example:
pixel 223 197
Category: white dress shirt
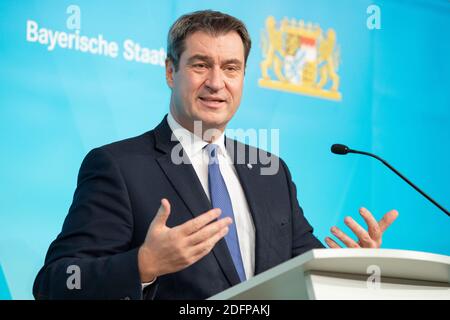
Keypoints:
pixel 197 154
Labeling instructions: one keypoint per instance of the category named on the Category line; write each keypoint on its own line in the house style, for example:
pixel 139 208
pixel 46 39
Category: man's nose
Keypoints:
pixel 215 80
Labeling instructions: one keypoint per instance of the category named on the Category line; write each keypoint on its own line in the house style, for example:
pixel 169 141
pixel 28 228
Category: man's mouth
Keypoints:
pixel 212 102
pixel 211 99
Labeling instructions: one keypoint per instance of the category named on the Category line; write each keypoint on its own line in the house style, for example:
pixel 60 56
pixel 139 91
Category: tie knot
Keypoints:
pixel 212 152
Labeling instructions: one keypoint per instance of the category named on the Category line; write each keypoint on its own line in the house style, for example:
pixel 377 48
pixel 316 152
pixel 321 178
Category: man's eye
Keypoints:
pixel 232 68
pixel 200 66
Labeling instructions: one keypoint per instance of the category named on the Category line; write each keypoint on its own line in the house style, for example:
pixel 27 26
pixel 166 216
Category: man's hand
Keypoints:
pixel 167 250
pixel 366 239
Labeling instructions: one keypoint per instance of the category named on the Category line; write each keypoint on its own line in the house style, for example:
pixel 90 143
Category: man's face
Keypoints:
pixel 208 84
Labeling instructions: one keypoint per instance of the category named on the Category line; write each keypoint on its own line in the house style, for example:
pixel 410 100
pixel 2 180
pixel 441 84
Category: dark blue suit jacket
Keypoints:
pixel 118 193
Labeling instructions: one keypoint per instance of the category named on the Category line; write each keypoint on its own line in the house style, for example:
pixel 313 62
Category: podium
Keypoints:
pixel 350 274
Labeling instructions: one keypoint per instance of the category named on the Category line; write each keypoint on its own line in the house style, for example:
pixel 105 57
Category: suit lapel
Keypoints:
pixel 188 186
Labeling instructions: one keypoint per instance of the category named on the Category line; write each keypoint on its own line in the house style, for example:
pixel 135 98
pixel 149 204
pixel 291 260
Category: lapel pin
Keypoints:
pixel 249 166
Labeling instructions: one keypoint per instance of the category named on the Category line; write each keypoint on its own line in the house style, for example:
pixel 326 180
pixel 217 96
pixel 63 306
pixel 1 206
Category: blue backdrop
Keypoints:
pixel 57 103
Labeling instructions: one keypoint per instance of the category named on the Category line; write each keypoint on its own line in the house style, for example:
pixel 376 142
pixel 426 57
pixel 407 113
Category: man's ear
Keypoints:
pixel 170 71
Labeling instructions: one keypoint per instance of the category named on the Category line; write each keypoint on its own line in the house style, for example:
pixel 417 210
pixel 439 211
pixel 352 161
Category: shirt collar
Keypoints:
pixel 190 142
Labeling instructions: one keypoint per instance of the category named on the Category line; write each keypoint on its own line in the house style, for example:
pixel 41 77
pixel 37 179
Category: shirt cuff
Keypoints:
pixel 146 284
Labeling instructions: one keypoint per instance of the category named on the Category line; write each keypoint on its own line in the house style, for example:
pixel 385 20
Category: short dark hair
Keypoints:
pixel 212 22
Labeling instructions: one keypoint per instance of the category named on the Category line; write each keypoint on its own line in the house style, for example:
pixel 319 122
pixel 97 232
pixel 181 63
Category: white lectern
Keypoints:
pixel 350 274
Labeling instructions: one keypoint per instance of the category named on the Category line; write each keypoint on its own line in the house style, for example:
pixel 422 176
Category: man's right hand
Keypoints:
pixel 167 250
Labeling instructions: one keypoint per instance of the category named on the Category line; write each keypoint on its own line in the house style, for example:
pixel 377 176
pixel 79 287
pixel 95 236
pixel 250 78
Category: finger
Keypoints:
pixel 331 243
pixel 359 231
pixel 372 224
pixel 204 247
pixel 199 222
pixel 163 213
pixel 387 220
pixel 349 242
pixel 209 231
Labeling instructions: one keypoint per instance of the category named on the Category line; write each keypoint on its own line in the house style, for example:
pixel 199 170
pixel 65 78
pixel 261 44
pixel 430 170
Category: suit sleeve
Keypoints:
pixel 95 238
pixel 303 238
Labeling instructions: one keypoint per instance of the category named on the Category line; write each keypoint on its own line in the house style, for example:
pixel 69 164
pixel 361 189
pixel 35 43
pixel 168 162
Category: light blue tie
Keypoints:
pixel 220 198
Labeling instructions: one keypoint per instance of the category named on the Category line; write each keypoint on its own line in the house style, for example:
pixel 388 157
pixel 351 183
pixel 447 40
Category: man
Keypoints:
pixel 145 225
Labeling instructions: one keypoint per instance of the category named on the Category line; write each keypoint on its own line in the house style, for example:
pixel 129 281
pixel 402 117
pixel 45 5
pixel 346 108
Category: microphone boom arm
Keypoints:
pixel 401 176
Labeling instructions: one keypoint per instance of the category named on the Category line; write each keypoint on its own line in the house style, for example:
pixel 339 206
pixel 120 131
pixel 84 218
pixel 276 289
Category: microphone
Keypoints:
pixel 343 149
pixel 339 149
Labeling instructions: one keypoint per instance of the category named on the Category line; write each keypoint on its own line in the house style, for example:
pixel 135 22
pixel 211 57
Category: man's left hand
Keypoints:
pixel 370 238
